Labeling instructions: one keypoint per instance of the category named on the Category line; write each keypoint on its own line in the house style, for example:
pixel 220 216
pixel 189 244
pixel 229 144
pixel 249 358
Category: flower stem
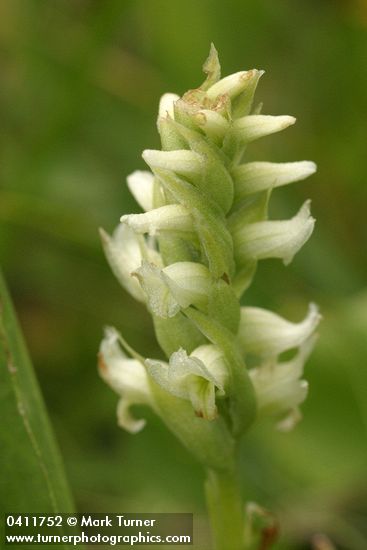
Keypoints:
pixel 225 509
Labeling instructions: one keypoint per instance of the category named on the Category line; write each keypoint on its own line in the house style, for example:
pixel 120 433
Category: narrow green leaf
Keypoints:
pixel 32 475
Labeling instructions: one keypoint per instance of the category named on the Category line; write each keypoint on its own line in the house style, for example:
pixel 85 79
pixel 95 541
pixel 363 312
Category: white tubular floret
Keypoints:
pixel 274 239
pixel 124 251
pixel 176 286
pixel 188 377
pixel 141 186
pixel 251 127
pixel 186 163
pixel 259 176
pixel 172 217
pixel 231 85
pixel 127 377
pixel 266 334
pixel 279 388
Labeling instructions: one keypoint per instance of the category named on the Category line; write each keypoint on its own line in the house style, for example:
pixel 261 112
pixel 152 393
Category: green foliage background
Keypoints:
pixel 80 84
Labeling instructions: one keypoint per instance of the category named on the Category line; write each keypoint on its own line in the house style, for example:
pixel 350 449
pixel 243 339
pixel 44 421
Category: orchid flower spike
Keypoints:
pixel 189 257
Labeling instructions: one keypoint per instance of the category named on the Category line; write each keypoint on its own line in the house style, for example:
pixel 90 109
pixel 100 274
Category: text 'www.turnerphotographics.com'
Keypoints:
pixel 106 529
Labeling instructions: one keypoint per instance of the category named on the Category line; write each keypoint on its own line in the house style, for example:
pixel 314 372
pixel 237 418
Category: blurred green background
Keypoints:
pixel 80 84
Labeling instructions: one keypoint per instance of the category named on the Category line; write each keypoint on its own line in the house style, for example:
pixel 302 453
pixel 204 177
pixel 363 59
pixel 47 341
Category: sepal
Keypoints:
pixel 183 162
pixel 125 251
pixel 172 217
pixel 232 85
pixel 265 334
pixel 253 177
pixel 279 388
pixel 127 377
pixel 274 239
pixel 141 186
pixel 252 127
pixel 167 105
pixel 242 104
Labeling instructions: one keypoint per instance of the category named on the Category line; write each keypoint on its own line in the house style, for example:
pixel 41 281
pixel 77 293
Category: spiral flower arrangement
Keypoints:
pixel 190 257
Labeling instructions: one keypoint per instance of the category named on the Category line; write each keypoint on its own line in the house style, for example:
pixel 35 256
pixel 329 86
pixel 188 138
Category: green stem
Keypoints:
pixel 225 509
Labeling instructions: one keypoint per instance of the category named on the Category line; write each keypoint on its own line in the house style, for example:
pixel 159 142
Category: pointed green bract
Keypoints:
pixel 211 68
pixel 215 181
pixel 223 305
pixel 209 441
pixel 176 332
pixel 208 221
pixel 242 398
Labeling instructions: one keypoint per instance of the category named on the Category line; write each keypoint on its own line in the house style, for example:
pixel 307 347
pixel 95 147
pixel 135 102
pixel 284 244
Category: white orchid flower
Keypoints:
pixel 195 377
pixel 253 177
pixel 266 334
pixel 251 127
pixel 279 388
pixel 274 239
pixel 127 377
pixel 176 286
pixel 183 162
pixel 172 217
pixel 125 251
